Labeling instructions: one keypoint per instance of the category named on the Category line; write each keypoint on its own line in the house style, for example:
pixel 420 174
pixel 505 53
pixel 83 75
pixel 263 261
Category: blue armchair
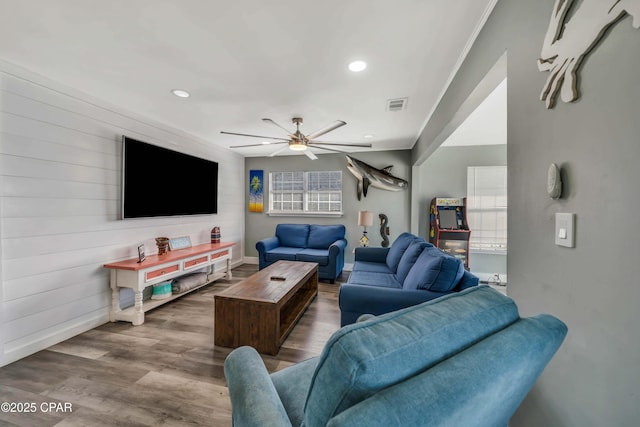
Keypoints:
pixel 466 359
pixel 324 244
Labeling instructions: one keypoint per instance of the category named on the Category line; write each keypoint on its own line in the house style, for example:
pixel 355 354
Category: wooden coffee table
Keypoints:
pixel 262 310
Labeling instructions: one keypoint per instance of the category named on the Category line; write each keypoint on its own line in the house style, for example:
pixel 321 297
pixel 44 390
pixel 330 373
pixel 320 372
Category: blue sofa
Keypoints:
pixel 467 359
pixel 324 244
pixel 409 272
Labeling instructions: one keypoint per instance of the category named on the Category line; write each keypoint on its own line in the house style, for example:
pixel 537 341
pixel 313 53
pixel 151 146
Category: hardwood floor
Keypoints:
pixel 166 372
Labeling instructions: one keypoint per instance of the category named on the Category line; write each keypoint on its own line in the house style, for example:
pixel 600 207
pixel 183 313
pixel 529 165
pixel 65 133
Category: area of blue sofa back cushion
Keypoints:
pixel 397 249
pixel 435 271
pixel 409 258
pixel 322 236
pixel 294 235
pixel 363 358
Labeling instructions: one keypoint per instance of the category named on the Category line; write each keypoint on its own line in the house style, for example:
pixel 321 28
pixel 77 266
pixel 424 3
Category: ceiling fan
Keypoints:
pixel 297 141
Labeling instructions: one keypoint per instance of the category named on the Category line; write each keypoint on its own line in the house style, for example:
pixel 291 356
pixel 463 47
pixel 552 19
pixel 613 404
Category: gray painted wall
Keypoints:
pixel 444 174
pixel 593 379
pixel 393 204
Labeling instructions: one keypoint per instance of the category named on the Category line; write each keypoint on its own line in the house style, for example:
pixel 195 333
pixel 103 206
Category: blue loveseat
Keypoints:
pixel 323 244
pixel 409 272
pixel 467 359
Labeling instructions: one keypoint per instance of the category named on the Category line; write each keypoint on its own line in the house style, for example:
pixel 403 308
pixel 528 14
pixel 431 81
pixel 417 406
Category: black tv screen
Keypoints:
pixel 160 182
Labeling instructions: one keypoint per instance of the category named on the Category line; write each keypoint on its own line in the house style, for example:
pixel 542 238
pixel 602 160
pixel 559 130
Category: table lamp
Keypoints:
pixel 365 219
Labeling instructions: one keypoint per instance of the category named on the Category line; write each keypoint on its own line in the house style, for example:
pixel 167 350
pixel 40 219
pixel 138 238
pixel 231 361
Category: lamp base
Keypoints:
pixel 364 240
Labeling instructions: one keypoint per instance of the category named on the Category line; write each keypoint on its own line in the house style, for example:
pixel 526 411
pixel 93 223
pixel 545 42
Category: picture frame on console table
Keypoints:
pixel 141 255
pixel 182 242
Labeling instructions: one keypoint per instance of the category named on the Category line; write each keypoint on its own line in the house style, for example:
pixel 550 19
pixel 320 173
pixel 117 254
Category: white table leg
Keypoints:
pixel 138 316
pixel 115 297
pixel 228 275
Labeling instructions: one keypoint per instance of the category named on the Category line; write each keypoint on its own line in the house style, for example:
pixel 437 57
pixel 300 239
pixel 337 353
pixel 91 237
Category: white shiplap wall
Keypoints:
pixel 60 177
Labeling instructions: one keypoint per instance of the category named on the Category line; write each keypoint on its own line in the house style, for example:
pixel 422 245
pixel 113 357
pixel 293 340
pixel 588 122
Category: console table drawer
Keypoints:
pixel 195 262
pixel 161 272
pixel 219 254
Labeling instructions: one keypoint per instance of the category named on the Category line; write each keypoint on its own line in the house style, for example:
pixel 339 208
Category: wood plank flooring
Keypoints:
pixel 166 372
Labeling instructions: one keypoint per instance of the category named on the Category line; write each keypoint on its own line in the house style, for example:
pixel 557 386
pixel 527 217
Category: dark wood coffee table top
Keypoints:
pixel 253 288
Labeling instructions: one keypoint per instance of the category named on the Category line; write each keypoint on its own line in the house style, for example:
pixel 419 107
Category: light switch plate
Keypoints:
pixel 565 229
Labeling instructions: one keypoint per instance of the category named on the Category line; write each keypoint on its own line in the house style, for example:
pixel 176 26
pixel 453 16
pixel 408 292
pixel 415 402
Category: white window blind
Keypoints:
pixel 315 192
pixel 487 208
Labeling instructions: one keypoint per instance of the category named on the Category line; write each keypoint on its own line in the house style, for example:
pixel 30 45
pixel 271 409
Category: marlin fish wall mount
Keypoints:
pixel 367 176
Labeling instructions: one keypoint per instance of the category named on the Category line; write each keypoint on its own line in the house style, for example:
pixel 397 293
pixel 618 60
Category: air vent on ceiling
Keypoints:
pixel 397 104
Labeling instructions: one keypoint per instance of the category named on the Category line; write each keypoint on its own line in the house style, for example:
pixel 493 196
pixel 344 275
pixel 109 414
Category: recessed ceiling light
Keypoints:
pixel 357 66
pixel 181 93
pixel 266 142
pixel 367 136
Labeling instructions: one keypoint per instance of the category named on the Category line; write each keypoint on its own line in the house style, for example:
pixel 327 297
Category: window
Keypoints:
pixel 317 192
pixel 487 208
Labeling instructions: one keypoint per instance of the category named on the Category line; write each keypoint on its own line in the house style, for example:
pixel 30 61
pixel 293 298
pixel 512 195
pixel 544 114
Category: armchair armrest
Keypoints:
pixel 267 244
pixel 254 399
pixel 338 246
pixel 371 254
pixel 356 300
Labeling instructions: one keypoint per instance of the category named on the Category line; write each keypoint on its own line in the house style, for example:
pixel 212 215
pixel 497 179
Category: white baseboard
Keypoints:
pixel 251 260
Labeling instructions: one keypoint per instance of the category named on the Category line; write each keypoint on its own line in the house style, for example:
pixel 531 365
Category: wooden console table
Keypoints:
pixel 262 310
pixel 160 268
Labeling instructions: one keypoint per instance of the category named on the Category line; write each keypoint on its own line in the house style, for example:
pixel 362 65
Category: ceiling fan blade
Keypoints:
pixel 330 149
pixel 328 129
pixel 278 151
pixel 310 155
pixel 275 124
pixel 255 136
pixel 344 144
pixel 259 145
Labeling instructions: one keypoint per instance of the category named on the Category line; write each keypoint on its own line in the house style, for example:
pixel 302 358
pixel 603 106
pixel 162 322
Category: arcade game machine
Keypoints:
pixel 448 228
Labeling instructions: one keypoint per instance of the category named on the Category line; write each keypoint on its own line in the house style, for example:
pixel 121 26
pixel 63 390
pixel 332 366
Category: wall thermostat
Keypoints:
pixel 554 182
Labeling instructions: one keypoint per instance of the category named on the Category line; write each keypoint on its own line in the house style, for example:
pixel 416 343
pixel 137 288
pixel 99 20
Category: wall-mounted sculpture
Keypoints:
pixel 384 230
pixel 367 176
pixel 568 41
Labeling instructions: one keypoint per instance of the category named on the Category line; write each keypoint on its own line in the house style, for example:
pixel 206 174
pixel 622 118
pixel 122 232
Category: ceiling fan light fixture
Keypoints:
pixel 357 66
pixel 297 146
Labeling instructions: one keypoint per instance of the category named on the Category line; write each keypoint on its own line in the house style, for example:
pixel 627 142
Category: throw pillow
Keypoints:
pixel 434 271
pixel 409 258
pixel 397 250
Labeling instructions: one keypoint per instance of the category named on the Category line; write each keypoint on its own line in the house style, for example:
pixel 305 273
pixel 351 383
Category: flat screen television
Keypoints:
pixel 157 182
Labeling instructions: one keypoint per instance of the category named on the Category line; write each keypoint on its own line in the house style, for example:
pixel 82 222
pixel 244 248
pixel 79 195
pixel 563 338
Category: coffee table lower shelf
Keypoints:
pixel 261 312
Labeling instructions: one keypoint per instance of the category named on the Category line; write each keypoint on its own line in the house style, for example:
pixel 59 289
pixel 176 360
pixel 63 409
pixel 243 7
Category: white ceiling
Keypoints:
pixel 248 59
pixel 486 125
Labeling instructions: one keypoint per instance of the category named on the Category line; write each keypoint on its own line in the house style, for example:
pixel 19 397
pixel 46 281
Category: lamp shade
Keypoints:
pixel 365 219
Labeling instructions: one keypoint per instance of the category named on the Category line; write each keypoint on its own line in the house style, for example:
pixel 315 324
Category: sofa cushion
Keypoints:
pixel 281 253
pixel 321 256
pixel 293 235
pixel 409 258
pixel 322 236
pixel 374 267
pixel 369 278
pixel 363 358
pixel 397 249
pixel 434 271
